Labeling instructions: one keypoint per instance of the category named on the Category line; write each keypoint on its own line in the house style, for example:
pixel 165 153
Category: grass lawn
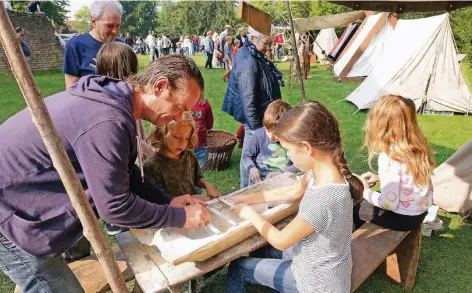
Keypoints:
pixel 445 258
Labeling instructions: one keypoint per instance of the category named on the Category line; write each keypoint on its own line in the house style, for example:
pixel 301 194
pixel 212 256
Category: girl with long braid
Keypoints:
pixel 313 252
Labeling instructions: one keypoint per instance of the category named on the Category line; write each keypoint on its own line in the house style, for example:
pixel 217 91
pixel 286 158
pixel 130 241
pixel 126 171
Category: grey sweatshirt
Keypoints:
pixel 95 120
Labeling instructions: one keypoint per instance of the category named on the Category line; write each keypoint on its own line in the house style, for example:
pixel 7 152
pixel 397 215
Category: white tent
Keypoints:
pixel 371 54
pixel 325 41
pixel 452 181
pixel 420 62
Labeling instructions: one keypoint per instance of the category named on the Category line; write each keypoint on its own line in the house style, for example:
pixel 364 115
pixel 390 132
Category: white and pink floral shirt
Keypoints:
pixel 398 191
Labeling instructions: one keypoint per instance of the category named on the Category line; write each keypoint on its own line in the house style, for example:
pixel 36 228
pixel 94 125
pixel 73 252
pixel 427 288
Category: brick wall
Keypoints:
pixel 46 50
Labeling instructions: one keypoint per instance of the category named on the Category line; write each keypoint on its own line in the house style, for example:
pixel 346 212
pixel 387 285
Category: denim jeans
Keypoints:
pixel 266 266
pixel 195 48
pixel 36 274
pixel 202 156
pixel 243 172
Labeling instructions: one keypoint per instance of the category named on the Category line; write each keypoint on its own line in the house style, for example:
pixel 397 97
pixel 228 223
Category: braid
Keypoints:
pixel 355 185
pixel 341 162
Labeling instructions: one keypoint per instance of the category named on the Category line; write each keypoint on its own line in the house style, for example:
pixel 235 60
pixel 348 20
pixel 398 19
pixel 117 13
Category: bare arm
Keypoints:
pixel 295 231
pixel 211 190
pixel 70 80
pixel 286 193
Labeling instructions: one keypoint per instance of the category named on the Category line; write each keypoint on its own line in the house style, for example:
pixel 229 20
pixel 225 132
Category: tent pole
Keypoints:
pixel 295 52
pixel 56 150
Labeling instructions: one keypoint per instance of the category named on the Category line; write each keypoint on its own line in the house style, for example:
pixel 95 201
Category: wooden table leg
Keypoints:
pixel 403 264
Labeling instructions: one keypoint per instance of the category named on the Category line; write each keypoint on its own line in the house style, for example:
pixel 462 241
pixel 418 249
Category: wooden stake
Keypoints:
pixel 56 150
pixel 295 52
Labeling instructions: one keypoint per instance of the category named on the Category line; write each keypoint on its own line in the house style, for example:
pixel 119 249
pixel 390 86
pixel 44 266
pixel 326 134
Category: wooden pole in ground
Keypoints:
pixel 56 150
pixel 295 52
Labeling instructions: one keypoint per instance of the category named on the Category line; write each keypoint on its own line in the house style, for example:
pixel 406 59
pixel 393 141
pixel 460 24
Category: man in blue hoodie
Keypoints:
pixel 96 119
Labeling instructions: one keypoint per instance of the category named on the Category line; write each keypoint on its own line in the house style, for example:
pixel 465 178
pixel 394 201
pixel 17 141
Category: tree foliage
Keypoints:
pixel 195 17
pixel 138 17
pixel 55 10
pixel 82 20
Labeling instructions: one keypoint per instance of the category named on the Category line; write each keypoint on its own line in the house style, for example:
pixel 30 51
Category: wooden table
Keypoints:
pixel 154 274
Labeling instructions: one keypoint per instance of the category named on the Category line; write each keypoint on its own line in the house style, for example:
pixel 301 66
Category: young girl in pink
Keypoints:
pixel 405 166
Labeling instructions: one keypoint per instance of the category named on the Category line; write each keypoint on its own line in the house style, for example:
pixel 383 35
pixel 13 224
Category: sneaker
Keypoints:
pixel 114 230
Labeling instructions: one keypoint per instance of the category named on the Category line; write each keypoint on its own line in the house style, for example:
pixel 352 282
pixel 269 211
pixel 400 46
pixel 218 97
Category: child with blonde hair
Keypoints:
pixel 174 167
pixel 405 166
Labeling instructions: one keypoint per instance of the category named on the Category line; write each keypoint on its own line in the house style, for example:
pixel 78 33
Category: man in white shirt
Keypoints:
pixel 159 46
pixel 223 35
pixel 165 44
pixel 151 42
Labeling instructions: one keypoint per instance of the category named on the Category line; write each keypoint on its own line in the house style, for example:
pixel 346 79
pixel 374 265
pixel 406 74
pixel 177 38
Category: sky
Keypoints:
pixel 75 5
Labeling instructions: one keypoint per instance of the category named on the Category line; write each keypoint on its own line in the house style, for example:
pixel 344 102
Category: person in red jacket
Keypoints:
pixel 203 116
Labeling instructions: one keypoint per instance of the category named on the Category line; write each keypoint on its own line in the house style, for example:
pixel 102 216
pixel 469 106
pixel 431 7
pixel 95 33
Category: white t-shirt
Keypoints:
pixel 399 193
pixel 151 41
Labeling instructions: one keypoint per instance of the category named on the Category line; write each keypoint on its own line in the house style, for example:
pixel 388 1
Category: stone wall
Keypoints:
pixel 46 50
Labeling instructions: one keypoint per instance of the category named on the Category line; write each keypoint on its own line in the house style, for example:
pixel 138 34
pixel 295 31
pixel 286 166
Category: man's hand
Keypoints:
pixel 370 178
pixel 187 199
pixel 273 174
pixel 196 216
pixel 255 175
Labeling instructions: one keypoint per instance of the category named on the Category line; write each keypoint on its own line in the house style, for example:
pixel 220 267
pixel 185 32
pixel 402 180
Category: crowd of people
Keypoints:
pixel 138 180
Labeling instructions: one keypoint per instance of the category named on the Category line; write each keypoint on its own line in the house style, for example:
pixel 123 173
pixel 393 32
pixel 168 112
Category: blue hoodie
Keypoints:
pixel 95 120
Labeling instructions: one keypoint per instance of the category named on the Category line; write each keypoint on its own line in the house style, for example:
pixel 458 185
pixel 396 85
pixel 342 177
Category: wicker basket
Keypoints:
pixel 220 149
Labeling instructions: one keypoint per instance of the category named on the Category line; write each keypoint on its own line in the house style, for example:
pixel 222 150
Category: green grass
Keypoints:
pixel 445 258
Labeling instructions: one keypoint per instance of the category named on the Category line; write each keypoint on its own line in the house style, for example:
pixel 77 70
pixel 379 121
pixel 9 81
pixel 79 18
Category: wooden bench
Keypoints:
pixel 392 252
pixel 90 275
pixel 373 247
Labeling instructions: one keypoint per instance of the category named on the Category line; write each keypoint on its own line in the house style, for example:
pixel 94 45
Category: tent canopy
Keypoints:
pixel 367 47
pixel 325 41
pixel 420 63
pixel 405 6
pixel 328 21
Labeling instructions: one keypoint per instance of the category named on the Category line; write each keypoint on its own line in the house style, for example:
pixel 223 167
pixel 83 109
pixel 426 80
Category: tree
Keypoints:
pixel 55 10
pixel 138 17
pixel 82 20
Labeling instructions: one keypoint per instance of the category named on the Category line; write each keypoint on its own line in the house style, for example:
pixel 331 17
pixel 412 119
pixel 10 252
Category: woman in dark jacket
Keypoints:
pixel 253 85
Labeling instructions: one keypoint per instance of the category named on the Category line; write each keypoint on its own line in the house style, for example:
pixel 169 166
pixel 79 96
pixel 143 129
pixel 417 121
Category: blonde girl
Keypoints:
pixel 405 166
pixel 313 252
pixel 174 166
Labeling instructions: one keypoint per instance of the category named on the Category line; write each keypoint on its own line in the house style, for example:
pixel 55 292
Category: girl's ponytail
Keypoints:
pixel 355 185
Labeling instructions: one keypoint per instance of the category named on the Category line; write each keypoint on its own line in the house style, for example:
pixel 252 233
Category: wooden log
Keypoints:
pixel 405 6
pixel 258 19
pixel 327 21
pixel 56 150
pixel 295 52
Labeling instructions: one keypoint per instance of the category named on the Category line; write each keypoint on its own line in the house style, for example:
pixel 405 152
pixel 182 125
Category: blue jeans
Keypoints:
pixel 202 156
pixel 36 274
pixel 195 48
pixel 243 172
pixel 264 266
